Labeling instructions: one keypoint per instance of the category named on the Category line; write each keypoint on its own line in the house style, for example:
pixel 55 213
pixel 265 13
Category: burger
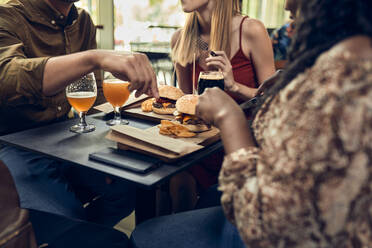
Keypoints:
pixel 185 114
pixel 166 104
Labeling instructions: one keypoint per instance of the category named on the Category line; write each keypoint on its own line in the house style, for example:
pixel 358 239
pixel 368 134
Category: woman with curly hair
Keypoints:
pixel 300 174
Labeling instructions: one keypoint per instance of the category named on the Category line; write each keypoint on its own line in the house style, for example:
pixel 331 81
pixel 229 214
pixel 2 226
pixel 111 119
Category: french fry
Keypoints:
pixel 166 123
pixel 171 128
pixel 146 106
pixel 186 134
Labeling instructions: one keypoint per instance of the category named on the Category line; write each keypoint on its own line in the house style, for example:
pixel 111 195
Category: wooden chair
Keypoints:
pixel 15 228
pixel 280 64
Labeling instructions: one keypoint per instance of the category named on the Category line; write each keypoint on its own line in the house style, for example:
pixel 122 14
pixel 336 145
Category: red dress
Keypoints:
pixel 206 172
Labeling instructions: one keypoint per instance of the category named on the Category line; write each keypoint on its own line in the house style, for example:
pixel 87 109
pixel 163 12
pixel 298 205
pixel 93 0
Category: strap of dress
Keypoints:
pixel 240 32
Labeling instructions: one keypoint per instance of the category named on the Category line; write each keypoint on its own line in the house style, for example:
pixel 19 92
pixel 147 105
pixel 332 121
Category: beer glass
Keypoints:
pixel 209 79
pixel 116 93
pixel 81 94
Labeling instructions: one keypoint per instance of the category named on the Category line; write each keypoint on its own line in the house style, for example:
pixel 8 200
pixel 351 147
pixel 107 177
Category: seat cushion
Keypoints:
pixel 204 228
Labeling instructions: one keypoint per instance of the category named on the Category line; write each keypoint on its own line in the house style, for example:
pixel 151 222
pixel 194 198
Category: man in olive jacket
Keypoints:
pixel 44 46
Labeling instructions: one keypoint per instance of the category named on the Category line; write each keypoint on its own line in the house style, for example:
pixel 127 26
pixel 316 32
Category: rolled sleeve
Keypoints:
pixel 20 77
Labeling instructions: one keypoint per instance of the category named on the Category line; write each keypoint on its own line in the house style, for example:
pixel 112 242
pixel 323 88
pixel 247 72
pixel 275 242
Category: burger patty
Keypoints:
pixel 165 100
pixel 189 119
pixel 194 121
pixel 160 105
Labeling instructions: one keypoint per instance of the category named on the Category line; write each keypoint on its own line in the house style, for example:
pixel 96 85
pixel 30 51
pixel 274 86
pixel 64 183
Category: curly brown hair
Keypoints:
pixel 321 25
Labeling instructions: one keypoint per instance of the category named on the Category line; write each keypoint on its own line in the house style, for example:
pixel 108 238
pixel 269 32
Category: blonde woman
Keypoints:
pixel 242 45
pixel 245 58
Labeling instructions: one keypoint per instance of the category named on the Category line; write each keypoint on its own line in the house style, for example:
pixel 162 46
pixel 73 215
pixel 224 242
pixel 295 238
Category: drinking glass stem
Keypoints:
pixel 117 113
pixel 82 121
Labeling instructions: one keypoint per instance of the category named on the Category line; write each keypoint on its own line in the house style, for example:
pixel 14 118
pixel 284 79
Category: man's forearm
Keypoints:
pixel 62 70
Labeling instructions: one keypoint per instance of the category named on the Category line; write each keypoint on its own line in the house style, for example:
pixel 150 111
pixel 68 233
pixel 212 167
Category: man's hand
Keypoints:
pixel 133 67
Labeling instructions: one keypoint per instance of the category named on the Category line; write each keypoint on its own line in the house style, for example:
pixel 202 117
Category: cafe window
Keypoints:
pixel 147 26
pixel 270 12
pixel 146 22
pixel 90 6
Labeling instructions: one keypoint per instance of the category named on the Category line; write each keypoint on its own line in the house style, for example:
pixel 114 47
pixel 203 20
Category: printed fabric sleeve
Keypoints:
pixel 312 189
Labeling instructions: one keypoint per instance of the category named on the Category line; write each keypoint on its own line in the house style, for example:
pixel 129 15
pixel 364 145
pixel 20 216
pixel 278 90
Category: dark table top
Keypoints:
pixel 56 141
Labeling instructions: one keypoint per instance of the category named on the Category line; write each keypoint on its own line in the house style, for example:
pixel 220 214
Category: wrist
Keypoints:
pixel 232 87
pixel 235 133
pixel 229 117
pixel 94 57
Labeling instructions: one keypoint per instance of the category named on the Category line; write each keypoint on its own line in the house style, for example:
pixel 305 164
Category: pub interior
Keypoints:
pixel 185 123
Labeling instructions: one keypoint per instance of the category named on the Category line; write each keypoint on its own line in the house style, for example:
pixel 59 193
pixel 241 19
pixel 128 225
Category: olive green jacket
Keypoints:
pixel 32 31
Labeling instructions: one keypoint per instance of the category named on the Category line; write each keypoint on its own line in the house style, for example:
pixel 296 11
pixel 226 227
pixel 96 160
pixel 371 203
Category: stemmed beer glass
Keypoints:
pixel 81 94
pixel 116 93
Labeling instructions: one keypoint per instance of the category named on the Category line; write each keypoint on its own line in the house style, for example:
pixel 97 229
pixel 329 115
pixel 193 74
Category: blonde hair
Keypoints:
pixel 186 45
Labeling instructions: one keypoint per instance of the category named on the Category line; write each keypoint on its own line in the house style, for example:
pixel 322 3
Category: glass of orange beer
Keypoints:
pixel 116 93
pixel 81 94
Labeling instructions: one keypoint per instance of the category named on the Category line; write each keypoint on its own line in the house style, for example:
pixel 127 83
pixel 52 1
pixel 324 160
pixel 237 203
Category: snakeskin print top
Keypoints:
pixel 309 184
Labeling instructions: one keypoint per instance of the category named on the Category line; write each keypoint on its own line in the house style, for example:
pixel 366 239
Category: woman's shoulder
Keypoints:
pixel 175 37
pixel 358 47
pixel 353 50
pixel 341 71
pixel 251 27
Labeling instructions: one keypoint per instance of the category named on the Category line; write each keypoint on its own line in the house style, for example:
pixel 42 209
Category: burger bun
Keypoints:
pixel 187 104
pixel 170 92
pixel 199 128
pixel 163 111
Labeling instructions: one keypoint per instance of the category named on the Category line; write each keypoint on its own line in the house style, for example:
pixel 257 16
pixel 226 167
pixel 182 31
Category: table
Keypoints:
pixel 57 142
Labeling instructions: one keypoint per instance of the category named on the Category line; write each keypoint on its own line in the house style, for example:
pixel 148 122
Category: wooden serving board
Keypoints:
pixel 166 148
pixel 132 102
pixel 151 116
pixel 203 138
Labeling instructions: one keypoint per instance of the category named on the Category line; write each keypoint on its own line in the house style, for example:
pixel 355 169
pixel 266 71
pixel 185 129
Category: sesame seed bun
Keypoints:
pixel 170 92
pixel 197 128
pixel 187 104
pixel 163 111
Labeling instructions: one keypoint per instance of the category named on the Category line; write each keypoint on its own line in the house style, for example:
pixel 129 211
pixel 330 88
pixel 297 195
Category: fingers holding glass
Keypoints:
pixel 116 93
pixel 220 61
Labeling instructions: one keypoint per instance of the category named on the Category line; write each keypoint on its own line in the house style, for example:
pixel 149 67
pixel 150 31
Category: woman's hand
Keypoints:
pixel 222 63
pixel 219 109
pixel 215 107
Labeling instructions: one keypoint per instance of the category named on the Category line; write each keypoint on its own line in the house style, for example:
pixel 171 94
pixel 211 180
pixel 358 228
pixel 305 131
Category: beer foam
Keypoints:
pixel 115 82
pixel 212 76
pixel 81 94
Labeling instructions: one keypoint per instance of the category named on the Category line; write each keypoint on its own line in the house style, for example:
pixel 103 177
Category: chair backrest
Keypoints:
pixel 280 64
pixel 15 228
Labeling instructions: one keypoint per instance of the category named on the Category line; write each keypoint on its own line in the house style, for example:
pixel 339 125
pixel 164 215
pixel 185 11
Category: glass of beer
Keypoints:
pixel 209 79
pixel 81 94
pixel 116 93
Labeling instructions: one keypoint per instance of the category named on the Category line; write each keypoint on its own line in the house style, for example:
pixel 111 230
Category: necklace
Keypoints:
pixel 201 44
